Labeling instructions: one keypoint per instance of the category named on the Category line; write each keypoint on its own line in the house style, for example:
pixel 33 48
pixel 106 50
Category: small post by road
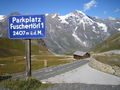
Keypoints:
pixel 28 57
pixel 45 63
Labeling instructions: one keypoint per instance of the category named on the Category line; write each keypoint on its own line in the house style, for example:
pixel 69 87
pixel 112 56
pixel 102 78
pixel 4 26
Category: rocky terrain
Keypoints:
pixel 72 32
pixel 78 31
pixel 114 70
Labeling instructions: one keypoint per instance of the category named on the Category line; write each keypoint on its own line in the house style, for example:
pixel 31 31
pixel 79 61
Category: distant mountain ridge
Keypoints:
pixel 78 31
pixel 2 17
pixel 74 31
pixel 112 43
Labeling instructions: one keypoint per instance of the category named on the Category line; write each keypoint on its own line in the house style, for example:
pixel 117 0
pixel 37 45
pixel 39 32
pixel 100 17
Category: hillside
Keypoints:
pixel 77 31
pixel 112 43
pixel 17 47
pixel 72 32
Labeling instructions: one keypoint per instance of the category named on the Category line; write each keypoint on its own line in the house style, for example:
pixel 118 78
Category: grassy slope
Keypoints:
pixel 112 43
pixel 113 60
pixel 12 54
pixel 17 64
pixel 17 48
pixel 38 49
pixel 11 47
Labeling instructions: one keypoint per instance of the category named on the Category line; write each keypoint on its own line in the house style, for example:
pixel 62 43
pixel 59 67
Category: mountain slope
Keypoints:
pixel 17 48
pixel 112 43
pixel 11 47
pixel 77 31
pixel 74 31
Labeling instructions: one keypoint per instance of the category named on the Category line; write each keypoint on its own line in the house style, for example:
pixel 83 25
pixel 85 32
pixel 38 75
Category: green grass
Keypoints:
pixel 23 84
pixel 112 43
pixel 16 64
pixel 113 60
pixel 50 57
pixel 12 53
pixel 10 48
pixel 53 60
pixel 38 49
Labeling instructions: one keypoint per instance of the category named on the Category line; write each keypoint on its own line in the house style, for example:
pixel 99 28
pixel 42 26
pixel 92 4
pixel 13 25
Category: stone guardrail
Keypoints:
pixel 114 70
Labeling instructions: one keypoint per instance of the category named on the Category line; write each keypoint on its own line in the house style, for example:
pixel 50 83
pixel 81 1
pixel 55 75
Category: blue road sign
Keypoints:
pixel 27 27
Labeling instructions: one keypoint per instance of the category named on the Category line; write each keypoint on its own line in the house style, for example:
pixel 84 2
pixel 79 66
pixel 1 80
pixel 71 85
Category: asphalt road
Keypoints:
pixel 52 71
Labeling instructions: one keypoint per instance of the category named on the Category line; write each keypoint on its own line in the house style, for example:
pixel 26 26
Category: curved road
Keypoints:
pixel 52 71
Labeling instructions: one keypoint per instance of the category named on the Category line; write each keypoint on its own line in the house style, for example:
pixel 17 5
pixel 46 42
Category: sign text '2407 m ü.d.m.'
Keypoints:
pixel 27 27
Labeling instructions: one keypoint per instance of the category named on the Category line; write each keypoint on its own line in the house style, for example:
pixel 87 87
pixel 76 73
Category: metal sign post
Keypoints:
pixel 28 57
pixel 27 27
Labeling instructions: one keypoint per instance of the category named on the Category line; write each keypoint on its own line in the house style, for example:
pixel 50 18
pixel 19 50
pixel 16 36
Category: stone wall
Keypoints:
pixel 114 70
